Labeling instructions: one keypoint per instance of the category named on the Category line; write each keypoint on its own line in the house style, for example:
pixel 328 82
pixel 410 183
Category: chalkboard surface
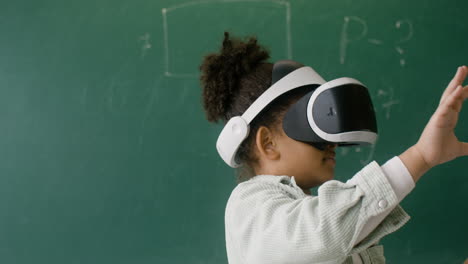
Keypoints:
pixel 105 154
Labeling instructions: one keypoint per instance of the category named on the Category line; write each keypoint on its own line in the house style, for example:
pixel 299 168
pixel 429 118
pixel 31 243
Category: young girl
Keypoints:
pixel 271 216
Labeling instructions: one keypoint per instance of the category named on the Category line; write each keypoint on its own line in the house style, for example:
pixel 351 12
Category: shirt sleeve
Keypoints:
pixel 402 184
pixel 399 177
pixel 266 223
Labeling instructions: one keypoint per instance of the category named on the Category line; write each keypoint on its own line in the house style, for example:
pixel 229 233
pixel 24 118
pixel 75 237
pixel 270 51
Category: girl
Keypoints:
pixel 271 216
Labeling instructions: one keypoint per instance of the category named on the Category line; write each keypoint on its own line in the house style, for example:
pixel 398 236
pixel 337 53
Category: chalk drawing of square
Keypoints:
pixel 193 29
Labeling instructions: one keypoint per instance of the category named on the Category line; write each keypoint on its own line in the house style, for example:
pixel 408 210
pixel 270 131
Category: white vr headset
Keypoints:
pixel 336 112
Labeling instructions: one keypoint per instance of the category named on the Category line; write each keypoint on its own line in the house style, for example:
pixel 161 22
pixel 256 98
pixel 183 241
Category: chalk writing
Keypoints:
pixel 344 151
pixel 348 37
pixel 389 101
pixel 146 44
pixel 405 38
pixel 375 41
pixel 370 155
pixel 166 11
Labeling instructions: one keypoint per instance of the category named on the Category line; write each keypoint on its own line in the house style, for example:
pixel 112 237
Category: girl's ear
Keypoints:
pixel 266 145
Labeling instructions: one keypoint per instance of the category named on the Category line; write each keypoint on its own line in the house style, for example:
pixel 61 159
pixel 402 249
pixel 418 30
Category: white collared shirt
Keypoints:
pixel 269 219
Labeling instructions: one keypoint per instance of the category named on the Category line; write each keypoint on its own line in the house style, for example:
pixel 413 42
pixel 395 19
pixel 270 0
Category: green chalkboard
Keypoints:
pixel 105 154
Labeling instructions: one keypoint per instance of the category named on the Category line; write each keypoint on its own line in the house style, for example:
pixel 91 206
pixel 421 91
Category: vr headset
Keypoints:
pixel 335 112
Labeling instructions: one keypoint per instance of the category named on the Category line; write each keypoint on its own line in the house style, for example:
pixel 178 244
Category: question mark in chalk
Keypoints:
pixel 408 36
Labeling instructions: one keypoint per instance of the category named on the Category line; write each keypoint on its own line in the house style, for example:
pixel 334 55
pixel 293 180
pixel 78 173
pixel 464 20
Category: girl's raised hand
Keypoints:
pixel 438 143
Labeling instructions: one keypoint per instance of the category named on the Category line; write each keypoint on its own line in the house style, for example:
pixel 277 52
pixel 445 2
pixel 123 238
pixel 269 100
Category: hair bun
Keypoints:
pixel 221 73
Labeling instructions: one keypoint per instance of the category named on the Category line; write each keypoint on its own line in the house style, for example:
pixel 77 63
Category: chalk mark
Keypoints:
pixel 391 102
pixel 375 41
pixel 344 41
pixel 410 33
pixel 406 38
pixel 165 12
pixel 381 92
pixel 344 151
pixel 399 50
pixel 146 44
pixel 370 156
pixel 387 106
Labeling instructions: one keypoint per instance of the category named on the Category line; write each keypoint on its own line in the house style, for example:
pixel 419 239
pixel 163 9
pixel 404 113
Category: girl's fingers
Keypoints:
pixel 446 115
pixel 458 79
pixel 455 100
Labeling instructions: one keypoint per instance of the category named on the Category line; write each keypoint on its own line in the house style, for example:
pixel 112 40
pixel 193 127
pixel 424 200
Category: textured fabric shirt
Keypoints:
pixel 269 219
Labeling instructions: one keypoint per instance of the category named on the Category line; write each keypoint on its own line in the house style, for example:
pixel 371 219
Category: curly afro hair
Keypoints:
pixel 232 80
pixel 223 73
